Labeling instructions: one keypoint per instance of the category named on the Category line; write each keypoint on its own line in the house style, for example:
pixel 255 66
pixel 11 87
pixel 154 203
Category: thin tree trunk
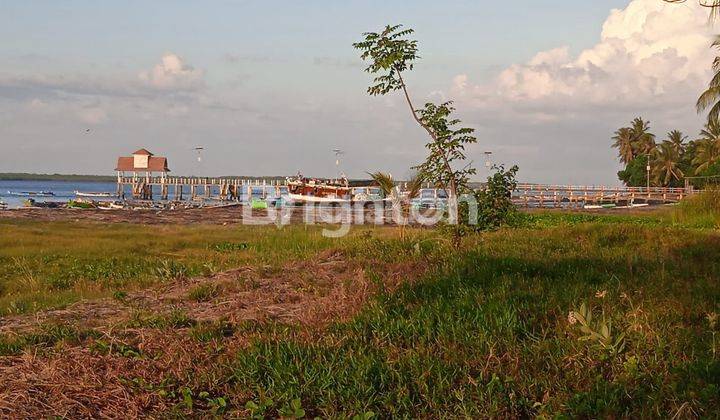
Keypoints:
pixel 453 185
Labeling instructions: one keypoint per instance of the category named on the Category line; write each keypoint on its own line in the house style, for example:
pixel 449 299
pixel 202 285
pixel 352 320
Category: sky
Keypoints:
pixel 272 87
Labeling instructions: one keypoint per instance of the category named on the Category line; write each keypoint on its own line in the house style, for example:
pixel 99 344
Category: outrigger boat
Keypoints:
pixel 93 194
pixel 330 192
pixel 313 190
pixel 31 193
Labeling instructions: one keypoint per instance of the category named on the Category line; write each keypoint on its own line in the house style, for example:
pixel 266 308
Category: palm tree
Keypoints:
pixel 623 142
pixel 677 139
pixel 707 149
pixel 711 97
pixel 665 163
pixel 634 141
pixel 384 182
pixel 400 202
pixel 643 140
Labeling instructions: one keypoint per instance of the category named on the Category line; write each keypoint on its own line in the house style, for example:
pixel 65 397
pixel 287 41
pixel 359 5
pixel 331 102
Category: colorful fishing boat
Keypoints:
pixel 314 190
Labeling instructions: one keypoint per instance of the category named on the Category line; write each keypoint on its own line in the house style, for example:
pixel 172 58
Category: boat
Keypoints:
pixel 110 206
pixel 314 190
pixel 3 205
pixel 31 203
pixel 93 194
pixel 31 193
pixel 80 204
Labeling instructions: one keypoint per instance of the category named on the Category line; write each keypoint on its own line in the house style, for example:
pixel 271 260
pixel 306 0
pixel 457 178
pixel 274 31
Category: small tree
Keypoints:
pixel 495 206
pixel 635 173
pixel 390 53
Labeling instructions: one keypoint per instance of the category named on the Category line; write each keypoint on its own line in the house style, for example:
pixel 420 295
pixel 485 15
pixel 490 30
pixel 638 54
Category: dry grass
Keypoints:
pixel 77 380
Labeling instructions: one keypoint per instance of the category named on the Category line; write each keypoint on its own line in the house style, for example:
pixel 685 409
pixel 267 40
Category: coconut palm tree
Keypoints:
pixel 623 142
pixel 643 140
pixel 400 202
pixel 707 150
pixel 634 141
pixel 677 139
pixel 665 163
pixel 711 97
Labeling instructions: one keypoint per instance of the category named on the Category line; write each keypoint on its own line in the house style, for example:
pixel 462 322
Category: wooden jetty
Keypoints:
pixel 146 174
pixel 545 195
pixel 529 195
pixel 176 188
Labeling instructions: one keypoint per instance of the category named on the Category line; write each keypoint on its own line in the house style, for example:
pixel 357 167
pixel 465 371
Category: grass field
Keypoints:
pixel 568 314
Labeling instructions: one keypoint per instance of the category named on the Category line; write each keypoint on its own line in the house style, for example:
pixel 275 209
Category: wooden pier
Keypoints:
pixel 543 195
pixel 174 188
pixel 528 195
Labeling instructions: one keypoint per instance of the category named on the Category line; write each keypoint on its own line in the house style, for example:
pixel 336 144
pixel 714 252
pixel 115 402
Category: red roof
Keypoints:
pixel 142 152
pixel 155 164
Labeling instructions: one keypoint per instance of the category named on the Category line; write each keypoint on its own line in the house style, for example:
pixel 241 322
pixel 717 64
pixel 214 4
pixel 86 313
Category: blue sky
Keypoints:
pixel 269 87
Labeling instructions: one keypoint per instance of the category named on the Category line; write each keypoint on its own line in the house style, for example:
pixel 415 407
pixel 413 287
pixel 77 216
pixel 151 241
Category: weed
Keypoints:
pixel 597 331
pixel 171 270
pixel 258 410
pixel 229 246
pixel 293 410
pixel 120 349
pixel 204 292
pixel 45 336
pixel 120 295
pixel 213 330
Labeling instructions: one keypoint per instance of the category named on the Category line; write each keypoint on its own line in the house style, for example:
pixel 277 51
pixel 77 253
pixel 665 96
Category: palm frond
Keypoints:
pixel 414 185
pixel 384 181
pixel 708 98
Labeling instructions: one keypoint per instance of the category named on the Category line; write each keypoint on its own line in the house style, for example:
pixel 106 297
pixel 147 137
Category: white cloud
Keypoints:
pixel 554 114
pixel 172 73
pixel 650 50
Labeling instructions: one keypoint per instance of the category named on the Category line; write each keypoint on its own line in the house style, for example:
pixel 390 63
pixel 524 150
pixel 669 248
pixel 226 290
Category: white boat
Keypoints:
pixel 300 198
pixel 110 206
pixel 93 194
pixel 3 205
pixel 31 193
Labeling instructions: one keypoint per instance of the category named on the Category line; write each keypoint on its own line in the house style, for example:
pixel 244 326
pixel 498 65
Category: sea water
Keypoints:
pixel 63 190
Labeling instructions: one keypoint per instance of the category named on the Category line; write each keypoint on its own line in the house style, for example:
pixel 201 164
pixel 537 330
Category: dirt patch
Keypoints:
pixel 130 370
pixel 207 215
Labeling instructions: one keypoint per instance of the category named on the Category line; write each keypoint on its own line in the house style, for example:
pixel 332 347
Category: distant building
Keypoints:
pixel 144 162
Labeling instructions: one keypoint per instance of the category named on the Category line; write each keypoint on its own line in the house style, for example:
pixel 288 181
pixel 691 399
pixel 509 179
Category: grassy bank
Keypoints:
pixel 490 334
pixel 49 265
pixel 571 315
